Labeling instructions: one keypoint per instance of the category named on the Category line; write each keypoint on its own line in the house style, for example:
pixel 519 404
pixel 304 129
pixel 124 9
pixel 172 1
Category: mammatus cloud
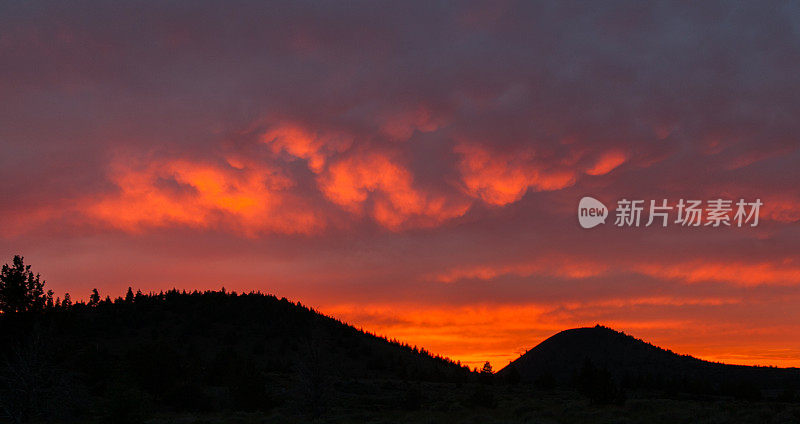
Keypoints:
pixel 382 188
pixel 500 178
pixel 300 143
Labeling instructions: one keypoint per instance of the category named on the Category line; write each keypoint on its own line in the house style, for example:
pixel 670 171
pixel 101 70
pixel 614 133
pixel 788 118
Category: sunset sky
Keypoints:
pixel 414 168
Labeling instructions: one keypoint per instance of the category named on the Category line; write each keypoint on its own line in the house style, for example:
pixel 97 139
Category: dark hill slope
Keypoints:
pixel 201 351
pixel 634 363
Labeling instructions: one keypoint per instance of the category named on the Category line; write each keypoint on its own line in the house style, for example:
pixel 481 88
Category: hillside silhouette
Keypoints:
pixel 209 351
pixel 573 356
pixel 220 357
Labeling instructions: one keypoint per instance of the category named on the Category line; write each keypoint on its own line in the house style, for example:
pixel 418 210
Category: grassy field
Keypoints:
pixel 433 403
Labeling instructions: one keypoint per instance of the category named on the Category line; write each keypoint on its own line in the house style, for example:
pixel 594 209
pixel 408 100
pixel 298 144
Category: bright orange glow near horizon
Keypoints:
pixel 415 170
pixel 500 334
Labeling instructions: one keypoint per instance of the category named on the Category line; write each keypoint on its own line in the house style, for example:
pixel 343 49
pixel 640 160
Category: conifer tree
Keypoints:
pixel 20 289
pixel 94 298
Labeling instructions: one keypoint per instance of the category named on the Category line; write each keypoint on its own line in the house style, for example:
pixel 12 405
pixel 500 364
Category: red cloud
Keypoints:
pixel 500 178
pixel 378 185
pixel 607 162
pixel 785 272
pixel 250 198
pixel 302 143
pixel 544 266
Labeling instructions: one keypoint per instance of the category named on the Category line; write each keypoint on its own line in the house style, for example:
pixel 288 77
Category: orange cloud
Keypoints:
pixel 654 301
pixel 779 357
pixel 369 182
pixel 786 272
pixel 248 198
pixel 17 222
pixel 607 162
pixel 503 178
pixel 557 267
pixel 780 210
pixel 377 184
pixel 305 144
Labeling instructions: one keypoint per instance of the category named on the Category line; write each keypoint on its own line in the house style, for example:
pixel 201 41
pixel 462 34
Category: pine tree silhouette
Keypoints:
pixel 94 298
pixel 49 300
pixel 20 289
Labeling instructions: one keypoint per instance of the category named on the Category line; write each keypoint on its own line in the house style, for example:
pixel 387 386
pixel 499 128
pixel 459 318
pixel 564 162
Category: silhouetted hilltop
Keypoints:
pixel 253 358
pixel 197 351
pixel 566 357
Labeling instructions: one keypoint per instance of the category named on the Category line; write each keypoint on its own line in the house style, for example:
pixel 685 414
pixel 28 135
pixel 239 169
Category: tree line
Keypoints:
pixel 23 291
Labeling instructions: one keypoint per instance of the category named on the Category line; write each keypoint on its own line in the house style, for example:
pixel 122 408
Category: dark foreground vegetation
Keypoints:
pixel 223 357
